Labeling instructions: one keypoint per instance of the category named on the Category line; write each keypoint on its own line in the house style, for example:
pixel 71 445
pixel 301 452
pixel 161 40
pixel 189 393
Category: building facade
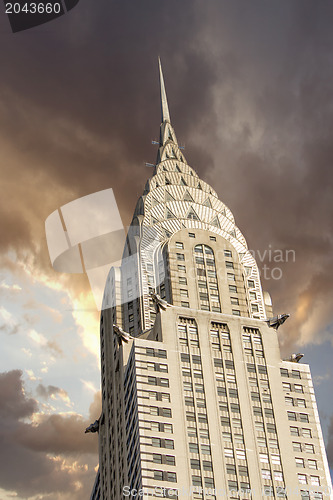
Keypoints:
pixel 198 404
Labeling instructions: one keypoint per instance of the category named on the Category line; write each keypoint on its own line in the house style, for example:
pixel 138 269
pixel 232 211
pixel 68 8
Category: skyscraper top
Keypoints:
pixel 164 101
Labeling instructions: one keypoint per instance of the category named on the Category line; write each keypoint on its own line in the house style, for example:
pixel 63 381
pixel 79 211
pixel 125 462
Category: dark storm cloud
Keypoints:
pixel 50 456
pixel 50 390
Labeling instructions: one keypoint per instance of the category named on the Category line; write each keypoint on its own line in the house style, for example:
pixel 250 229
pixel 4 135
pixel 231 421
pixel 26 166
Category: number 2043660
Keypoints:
pixel 33 8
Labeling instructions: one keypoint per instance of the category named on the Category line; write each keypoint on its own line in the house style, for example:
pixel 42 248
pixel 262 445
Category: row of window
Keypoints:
pixel 305 447
pixel 300 431
pixel 301 417
pixel 266 474
pixel 292 387
pixel 290 373
pixel 313 480
pixel 295 402
pixel 311 464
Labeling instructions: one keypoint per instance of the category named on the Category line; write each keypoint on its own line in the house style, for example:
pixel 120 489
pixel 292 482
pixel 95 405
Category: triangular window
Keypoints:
pixel 187 196
pixel 154 202
pixel 182 182
pixel 170 137
pixel 167 182
pixel 233 233
pixel 199 186
pixel 192 215
pixel 168 196
pixel 173 154
pixel 207 203
pixel 178 169
pixel 167 233
pixel 215 222
pixel 154 221
pixel 169 214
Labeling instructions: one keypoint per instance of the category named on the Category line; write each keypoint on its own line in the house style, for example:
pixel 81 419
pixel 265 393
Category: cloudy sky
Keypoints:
pixel 251 97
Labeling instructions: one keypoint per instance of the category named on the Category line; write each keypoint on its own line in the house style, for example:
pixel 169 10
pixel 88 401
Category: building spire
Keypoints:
pixel 164 101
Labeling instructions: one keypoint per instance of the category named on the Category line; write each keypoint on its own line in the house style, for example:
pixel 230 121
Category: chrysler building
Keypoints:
pixel 196 400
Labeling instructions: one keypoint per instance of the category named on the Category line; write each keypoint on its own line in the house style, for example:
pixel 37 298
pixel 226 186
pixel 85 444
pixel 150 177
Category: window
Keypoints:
pixel 228 453
pixel 251 283
pixel 271 428
pixel 299 462
pixel 209 482
pixel 253 295
pixel 294 431
pixel 276 459
pixel 232 289
pixel 302 479
pixel 183 292
pixel 182 280
pixel 229 264
pixel 158 475
pixel 225 422
pixel 185 304
pixel 156 442
pixel 308 448
pixel 171 477
pixel 231 469
pixel 190 416
pixel 263 458
pixel 240 454
pixel 179 245
pixel 236 312
pixel 182 268
pixel 312 464
pixel 196 481
pixel 307 433
pixel 261 442
pixel 231 277
pixel 286 386
pixel 303 417
pixel 157 459
pixel 254 307
pixel 191 235
pixel 284 372
pixel 298 388
pixel 242 470
pixel 289 401
pixel 297 446
pixel 180 256
pixel 301 403
pixel 204 434
pixel 195 464
pixel 227 253
pixel 234 301
pixel 295 374
pixel 168 443
pixel 259 426
pixel 153 410
pixel 165 412
pixel 193 447
pixel 232 486
pixel 226 436
pixel 189 401
pixel 273 444
pixel 167 428
pixel 164 382
pixel 205 449
pixel 278 476
pixel 291 415
pixel 266 474
pixel 212 238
